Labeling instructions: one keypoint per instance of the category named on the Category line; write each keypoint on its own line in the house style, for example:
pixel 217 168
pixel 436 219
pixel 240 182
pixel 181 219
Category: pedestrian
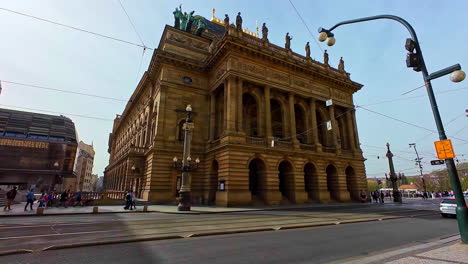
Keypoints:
pixel 41 199
pixel 50 198
pixel 63 199
pixel 133 201
pixel 10 195
pixel 29 200
pixel 375 196
pixel 382 196
pixel 78 198
pixel 128 201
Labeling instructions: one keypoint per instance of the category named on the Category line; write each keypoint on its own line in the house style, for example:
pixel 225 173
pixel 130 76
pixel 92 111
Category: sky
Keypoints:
pixel 43 54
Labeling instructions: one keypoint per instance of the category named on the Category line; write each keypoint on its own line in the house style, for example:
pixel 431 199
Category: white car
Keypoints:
pixel 448 207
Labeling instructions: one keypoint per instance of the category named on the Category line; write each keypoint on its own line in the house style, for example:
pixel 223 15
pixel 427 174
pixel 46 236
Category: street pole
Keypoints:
pixel 417 62
pixel 418 160
pixel 185 199
pixel 393 176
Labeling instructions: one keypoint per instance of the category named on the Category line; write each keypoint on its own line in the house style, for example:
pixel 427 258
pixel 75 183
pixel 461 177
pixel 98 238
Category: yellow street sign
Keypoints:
pixel 444 149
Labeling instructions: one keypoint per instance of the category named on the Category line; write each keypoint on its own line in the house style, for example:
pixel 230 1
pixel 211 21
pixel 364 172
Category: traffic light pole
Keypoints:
pixel 462 210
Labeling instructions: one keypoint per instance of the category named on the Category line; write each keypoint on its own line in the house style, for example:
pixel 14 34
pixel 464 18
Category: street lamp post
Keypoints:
pixel 416 60
pixel 185 166
pixel 393 176
pixel 418 161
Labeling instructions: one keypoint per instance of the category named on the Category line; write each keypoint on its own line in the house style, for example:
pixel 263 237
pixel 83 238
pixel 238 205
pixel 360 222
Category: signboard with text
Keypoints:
pixel 444 149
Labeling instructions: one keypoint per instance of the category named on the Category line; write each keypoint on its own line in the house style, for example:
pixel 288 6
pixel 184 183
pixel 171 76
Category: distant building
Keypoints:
pixel 84 168
pixel 100 184
pixel 36 150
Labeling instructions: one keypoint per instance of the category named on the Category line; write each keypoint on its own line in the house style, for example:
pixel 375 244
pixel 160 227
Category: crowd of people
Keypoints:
pixel 46 199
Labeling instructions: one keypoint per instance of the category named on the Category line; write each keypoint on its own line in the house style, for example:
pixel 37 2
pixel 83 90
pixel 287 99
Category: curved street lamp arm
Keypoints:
pixel 405 23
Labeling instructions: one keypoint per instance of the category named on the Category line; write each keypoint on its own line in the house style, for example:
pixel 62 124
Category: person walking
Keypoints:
pixel 382 196
pixel 63 199
pixel 50 198
pixel 128 201
pixel 10 195
pixel 133 200
pixel 41 199
pixel 78 199
pixel 29 200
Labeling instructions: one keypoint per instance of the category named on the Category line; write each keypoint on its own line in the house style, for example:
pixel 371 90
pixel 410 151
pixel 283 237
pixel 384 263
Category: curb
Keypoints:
pixel 110 242
pixel 16 252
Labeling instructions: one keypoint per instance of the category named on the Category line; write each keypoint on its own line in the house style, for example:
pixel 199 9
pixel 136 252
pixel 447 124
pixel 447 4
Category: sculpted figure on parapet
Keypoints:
pixel 239 22
pixel 226 21
pixel 307 49
pixel 264 32
pixel 287 44
pixel 325 58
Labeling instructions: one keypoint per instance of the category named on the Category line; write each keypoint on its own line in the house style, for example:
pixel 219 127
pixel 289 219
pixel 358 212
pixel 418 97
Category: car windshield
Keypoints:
pixel 449 201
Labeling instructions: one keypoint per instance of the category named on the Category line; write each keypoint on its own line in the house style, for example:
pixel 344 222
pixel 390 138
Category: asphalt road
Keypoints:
pixel 306 245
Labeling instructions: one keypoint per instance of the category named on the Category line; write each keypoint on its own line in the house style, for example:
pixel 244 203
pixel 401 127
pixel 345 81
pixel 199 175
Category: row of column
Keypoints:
pixel 233 91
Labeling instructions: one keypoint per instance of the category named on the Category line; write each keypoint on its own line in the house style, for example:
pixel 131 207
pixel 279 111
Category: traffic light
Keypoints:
pixel 412 59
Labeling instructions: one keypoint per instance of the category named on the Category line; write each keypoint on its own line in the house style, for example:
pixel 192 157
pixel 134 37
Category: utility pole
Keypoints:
pixel 393 176
pixel 418 162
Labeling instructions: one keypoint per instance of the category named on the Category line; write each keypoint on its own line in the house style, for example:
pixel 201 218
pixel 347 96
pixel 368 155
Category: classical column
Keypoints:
pixel 314 126
pixel 356 135
pixel 268 113
pixel 149 127
pixel 349 124
pixel 334 130
pixel 230 109
pixel 212 115
pixel 292 118
pixel 240 107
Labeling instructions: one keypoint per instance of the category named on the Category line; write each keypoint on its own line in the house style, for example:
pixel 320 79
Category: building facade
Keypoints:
pixel 262 128
pixel 84 168
pixel 36 150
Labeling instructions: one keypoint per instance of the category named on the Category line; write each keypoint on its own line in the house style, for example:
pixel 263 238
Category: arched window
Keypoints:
pixel 180 130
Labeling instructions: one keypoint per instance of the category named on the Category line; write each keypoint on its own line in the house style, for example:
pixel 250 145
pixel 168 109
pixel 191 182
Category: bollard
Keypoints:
pixel 145 208
pixel 40 211
pixel 95 210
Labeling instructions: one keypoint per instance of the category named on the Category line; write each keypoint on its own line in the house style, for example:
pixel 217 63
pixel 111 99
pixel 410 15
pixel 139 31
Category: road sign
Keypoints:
pixel 437 162
pixel 444 149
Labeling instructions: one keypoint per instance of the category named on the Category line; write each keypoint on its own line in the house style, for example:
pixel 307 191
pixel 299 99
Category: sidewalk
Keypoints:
pixel 18 209
pixel 444 251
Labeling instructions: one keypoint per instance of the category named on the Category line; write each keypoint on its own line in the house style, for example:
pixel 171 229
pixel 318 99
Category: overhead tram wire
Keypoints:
pixel 139 36
pixel 65 91
pixel 133 25
pixel 307 27
pixel 55 112
pixel 75 28
pixel 448 123
pixel 413 97
pixel 408 123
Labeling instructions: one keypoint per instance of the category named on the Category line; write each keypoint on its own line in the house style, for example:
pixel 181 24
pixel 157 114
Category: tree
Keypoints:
pixel 372 185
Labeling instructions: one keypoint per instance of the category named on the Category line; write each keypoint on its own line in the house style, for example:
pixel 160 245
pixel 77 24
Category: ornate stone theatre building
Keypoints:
pixel 263 129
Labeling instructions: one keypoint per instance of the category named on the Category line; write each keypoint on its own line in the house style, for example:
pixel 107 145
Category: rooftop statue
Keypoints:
pixel 190 20
pixel 325 58
pixel 183 21
pixel 201 26
pixel 264 32
pixel 226 21
pixel 307 49
pixel 288 38
pixel 239 22
pixel 341 65
pixel 177 16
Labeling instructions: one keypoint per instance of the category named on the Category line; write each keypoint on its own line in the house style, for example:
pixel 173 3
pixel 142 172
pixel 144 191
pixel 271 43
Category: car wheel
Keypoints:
pixel 444 215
